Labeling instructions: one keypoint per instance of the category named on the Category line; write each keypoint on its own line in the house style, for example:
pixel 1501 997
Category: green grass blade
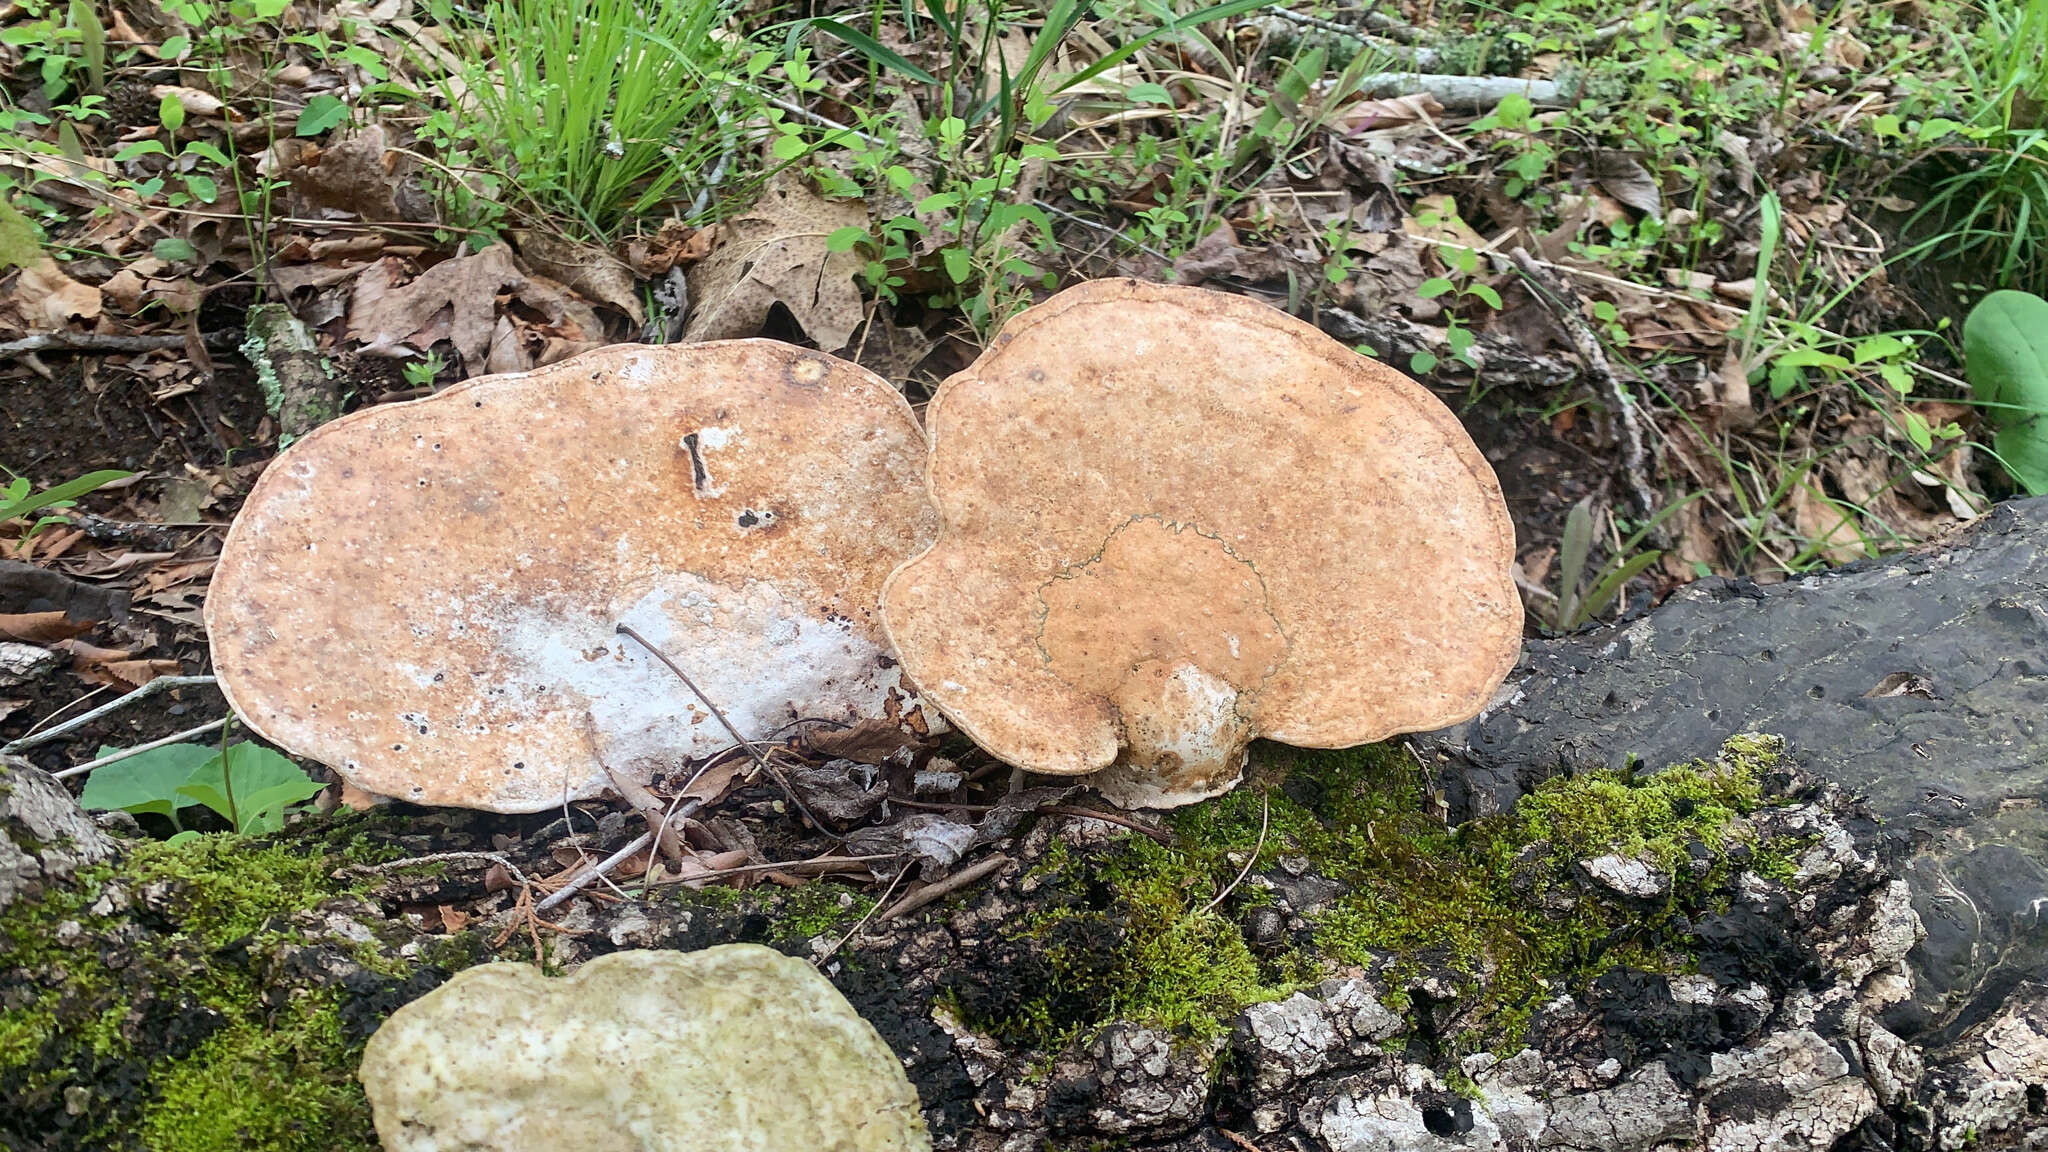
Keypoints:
pixel 873 49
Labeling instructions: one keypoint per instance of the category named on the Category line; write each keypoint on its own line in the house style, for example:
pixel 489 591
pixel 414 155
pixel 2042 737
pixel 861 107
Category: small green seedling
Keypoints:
pixel 19 498
pixel 2005 345
pixel 250 786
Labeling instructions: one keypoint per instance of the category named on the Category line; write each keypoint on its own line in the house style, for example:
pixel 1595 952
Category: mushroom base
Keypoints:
pixel 1184 738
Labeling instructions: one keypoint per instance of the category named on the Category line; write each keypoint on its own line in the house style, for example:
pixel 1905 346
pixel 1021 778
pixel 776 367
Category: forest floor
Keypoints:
pixel 1691 276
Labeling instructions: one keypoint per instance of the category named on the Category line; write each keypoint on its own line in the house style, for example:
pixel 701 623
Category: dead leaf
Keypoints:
pixel 1392 112
pixel 870 741
pixel 1623 177
pixel 355 175
pixel 457 300
pixel 775 253
pixel 1219 256
pixel 695 871
pixel 711 783
pixel 196 103
pixel 453 919
pixel 1831 531
pixel 584 268
pixel 115 667
pixel 892 351
pixel 46 628
pixel 52 299
pixel 673 245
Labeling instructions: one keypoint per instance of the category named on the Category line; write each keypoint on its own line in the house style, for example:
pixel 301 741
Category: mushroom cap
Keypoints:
pixel 1174 520
pixel 425 595
pixel 737 1048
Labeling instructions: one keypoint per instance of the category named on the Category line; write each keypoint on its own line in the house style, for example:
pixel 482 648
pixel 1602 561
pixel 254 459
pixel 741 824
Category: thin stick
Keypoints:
pixel 99 342
pixel 160 684
pixel 1265 817
pixel 773 772
pixel 943 888
pixel 394 865
pixel 863 922
pixel 139 749
pixel 589 876
pixel 1564 302
pixel 821 865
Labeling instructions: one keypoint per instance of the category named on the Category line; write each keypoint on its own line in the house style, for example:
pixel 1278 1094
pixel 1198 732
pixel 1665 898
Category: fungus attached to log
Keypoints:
pixel 425 595
pixel 1175 520
pixel 737 1048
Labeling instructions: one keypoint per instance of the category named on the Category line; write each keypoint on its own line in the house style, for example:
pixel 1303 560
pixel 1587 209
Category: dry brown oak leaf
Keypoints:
pixel 457 300
pixel 776 253
pixel 1175 520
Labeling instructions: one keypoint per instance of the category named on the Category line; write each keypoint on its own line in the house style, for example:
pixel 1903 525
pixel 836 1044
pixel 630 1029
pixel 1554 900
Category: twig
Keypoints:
pixel 821 865
pixel 1158 834
pixel 766 765
pixel 1421 59
pixel 1565 303
pixel 139 749
pixel 160 684
pixel 590 875
pixel 863 922
pixel 1105 229
pixel 1265 818
pixel 103 342
pixel 944 888
pixel 518 877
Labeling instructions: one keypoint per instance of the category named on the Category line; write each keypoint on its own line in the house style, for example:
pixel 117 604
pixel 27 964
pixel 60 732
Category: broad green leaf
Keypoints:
pixel 146 782
pixel 845 239
pixel 958 264
pixel 172 249
pixel 321 113
pixel 170 112
pixel 1434 287
pixel 1918 432
pixel 263 784
pixel 141 148
pixel 92 42
pixel 2005 348
pixel 1148 93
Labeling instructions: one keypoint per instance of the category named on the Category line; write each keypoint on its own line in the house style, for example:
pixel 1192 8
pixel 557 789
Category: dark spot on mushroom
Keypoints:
pixel 749 518
pixel 519 765
pixel 398 747
pixel 700 476
pixel 1817 692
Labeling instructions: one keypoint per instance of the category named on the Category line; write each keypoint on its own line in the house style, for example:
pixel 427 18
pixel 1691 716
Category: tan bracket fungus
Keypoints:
pixel 1175 520
pixel 425 595
pixel 736 1048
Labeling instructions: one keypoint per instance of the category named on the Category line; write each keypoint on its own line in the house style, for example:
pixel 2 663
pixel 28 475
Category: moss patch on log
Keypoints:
pixel 139 1012
pixel 1496 907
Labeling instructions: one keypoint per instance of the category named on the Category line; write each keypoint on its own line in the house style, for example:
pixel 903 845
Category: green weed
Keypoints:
pixel 580 115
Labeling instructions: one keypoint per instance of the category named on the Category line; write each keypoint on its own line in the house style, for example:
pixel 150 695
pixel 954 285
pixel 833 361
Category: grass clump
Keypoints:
pixel 579 115
pixel 1128 932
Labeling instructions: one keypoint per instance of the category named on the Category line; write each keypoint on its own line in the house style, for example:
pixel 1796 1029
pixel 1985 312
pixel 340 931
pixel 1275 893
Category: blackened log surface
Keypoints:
pixel 1919 681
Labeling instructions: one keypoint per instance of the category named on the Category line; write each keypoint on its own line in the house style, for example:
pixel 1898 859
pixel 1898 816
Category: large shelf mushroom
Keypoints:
pixel 1176 520
pixel 425 595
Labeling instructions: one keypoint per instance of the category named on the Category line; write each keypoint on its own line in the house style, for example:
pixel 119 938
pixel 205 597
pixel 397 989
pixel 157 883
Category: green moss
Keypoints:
pixel 178 1000
pixel 287 1088
pixel 1494 902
